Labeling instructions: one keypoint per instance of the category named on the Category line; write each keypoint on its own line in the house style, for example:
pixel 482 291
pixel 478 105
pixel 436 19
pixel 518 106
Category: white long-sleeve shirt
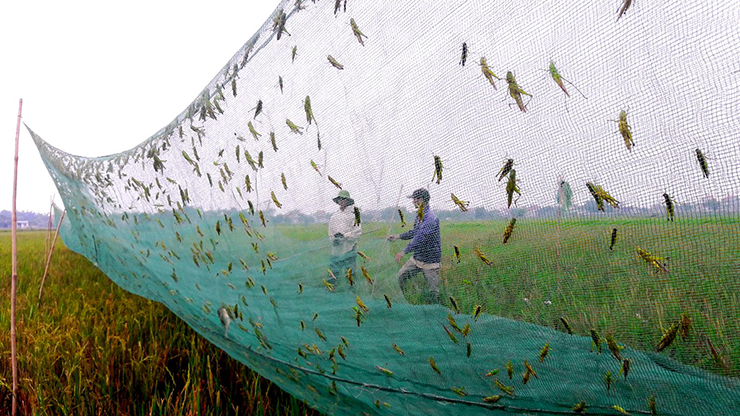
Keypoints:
pixel 343 221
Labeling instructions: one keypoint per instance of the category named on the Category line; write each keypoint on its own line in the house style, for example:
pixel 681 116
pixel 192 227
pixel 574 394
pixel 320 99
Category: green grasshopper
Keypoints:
pixel 487 72
pixel 334 182
pixel 625 130
pixel 254 132
pixel 293 127
pixel 559 80
pixel 275 200
pixel 334 62
pixel 516 91
pixel 512 187
pixel 307 108
pixel 356 31
pixel 462 204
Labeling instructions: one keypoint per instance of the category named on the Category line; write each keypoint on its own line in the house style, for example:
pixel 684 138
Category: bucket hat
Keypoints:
pixel 344 195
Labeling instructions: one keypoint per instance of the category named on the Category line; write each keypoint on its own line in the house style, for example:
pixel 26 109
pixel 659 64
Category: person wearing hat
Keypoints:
pixel 343 235
pixel 426 246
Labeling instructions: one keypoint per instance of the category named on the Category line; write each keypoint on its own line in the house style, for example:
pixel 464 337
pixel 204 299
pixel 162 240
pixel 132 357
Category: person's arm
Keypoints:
pixel 355 232
pixel 408 235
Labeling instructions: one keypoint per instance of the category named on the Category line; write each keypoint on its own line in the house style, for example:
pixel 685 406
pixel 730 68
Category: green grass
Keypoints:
pixel 569 265
pixel 565 269
pixel 92 348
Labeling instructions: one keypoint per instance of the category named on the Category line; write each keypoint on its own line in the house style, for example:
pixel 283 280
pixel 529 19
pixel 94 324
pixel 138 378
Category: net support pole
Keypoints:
pixel 14 278
pixel 48 227
pixel 48 259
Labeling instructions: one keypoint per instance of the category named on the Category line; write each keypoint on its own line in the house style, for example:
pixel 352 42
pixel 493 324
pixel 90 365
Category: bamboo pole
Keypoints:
pixel 48 259
pixel 14 278
pixel 48 227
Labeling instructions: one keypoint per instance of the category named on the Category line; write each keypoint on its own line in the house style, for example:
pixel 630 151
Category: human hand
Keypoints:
pixel 392 238
pixel 399 256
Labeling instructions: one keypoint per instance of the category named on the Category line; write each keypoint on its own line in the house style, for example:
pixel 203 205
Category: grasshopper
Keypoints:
pixel 483 257
pixel 512 187
pixel 487 72
pixel 315 167
pixel 668 337
pixel 613 346
pixel 516 91
pixel 307 108
pixel 356 31
pixel 702 163
pixel 566 324
pixel 462 204
pixel 614 239
pixel 544 351
pixel 358 219
pixel 258 109
pixel 293 127
pixel 669 208
pixel 334 62
pixel 559 80
pixel 625 5
pixel 506 389
pixel 334 182
pixel 254 132
pixel 275 200
pixel 505 169
pixel 509 229
pixel 434 365
pixel 625 130
pixel 437 169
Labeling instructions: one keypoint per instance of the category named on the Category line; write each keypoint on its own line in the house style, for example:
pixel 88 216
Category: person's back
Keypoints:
pixel 426 243
pixel 426 246
pixel 343 235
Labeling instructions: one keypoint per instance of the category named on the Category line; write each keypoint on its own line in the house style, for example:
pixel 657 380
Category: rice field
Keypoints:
pixel 91 348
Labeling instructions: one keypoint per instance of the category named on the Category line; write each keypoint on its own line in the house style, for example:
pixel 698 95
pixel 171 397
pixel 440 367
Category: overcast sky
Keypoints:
pixel 80 65
pixel 99 80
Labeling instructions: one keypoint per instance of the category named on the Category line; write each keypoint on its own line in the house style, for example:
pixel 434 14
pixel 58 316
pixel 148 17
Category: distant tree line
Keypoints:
pixel 709 205
pixel 727 205
pixel 34 219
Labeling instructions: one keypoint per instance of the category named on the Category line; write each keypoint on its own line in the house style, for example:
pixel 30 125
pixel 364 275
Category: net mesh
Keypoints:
pixel 616 295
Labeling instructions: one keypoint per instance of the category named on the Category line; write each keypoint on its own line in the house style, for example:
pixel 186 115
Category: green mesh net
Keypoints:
pixel 578 251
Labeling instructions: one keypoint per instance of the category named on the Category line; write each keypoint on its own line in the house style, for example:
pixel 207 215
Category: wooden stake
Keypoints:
pixel 14 279
pixel 48 259
pixel 48 227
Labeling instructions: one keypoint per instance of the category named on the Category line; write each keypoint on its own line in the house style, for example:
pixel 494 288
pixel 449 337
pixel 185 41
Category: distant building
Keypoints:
pixel 22 224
